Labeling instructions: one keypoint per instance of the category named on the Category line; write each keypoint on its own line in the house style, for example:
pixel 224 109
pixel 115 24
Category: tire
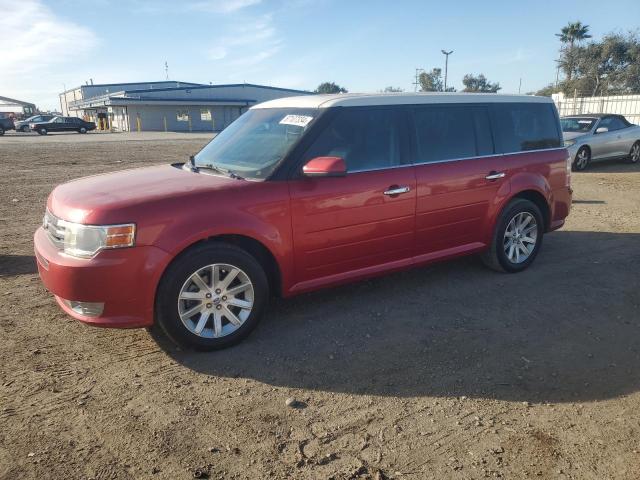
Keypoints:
pixel 82 130
pixel 218 330
pixel 634 153
pixel 42 131
pixel 25 129
pixel 497 256
pixel 1 131
pixel 582 160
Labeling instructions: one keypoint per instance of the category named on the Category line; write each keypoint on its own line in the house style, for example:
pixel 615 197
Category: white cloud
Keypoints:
pixel 35 39
pixel 221 6
pixel 247 44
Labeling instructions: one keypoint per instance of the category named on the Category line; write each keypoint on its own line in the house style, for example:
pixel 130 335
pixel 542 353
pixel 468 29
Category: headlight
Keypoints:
pixel 85 241
pixel 568 143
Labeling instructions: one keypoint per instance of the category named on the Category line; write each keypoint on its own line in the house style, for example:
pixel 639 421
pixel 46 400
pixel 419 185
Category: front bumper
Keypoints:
pixel 124 280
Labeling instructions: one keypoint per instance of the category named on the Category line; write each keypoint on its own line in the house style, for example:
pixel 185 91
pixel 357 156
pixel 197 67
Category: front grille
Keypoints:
pixel 55 229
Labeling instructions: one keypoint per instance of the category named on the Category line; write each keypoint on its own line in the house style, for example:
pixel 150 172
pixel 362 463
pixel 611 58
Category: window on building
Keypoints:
pixel 205 114
pixel 183 115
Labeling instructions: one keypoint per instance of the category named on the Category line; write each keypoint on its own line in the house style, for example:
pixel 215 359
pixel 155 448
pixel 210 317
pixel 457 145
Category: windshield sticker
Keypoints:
pixel 585 121
pixel 296 120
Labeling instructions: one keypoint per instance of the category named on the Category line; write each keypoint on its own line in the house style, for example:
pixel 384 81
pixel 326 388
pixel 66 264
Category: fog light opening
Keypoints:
pixel 87 309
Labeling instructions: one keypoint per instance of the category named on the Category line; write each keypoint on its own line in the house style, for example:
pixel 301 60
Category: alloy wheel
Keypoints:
pixel 582 159
pixel 215 300
pixel 520 237
pixel 635 153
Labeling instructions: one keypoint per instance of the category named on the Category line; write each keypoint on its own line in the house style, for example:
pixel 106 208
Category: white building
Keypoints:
pixel 166 106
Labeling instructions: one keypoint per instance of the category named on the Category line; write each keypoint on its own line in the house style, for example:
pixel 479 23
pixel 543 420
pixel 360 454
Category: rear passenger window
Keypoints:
pixel 367 139
pixel 612 123
pixel 452 132
pixel 525 126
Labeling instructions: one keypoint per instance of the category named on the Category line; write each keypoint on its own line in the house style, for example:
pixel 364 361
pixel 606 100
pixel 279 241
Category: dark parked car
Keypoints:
pixel 62 124
pixel 23 125
pixel 6 124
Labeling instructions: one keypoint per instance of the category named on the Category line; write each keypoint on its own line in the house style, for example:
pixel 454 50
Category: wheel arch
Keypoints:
pixel 249 244
pixel 540 201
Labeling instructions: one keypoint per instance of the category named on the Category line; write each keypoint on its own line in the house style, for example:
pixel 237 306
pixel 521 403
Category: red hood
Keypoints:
pixel 119 197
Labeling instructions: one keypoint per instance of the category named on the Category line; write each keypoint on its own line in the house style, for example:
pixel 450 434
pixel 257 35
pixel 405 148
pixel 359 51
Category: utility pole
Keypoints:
pixel 520 85
pixel 446 66
pixel 417 79
pixel 166 70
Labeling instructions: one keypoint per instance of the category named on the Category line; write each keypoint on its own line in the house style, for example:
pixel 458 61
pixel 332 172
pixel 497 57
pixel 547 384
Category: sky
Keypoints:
pixel 364 46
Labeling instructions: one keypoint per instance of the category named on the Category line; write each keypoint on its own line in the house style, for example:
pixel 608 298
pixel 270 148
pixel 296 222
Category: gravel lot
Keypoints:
pixel 451 371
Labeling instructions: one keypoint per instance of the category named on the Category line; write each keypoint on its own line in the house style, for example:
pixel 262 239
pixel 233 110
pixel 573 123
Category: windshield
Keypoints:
pixel 254 145
pixel 582 125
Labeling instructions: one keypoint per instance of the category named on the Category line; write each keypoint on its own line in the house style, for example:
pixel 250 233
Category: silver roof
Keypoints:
pixel 367 99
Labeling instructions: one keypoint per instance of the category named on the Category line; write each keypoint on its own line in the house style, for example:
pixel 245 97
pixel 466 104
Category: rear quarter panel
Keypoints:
pixel 544 172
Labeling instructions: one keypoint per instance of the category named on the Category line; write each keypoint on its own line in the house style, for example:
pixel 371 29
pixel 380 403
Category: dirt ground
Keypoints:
pixel 451 371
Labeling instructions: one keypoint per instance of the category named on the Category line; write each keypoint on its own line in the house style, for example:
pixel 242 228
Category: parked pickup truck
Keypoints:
pixel 6 124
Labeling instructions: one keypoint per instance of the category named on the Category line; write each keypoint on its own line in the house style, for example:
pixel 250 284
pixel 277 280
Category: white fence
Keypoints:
pixel 627 105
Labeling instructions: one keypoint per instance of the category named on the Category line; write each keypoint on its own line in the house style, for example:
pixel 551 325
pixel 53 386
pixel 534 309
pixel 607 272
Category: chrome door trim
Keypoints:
pixel 456 160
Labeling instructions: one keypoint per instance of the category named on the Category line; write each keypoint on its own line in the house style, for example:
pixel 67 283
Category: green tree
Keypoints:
pixel 570 35
pixel 610 66
pixel 546 91
pixel 330 87
pixel 432 81
pixel 392 90
pixel 479 83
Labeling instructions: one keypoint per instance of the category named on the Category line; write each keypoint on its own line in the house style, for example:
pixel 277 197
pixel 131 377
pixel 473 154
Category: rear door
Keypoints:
pixel 351 226
pixel 458 177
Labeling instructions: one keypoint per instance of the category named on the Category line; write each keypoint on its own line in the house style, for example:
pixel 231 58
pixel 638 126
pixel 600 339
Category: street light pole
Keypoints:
pixel 446 66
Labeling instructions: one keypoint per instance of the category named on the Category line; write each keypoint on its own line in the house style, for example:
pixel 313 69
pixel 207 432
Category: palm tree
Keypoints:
pixel 573 33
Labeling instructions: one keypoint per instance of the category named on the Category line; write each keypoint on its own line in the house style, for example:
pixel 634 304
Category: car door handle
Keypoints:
pixel 495 175
pixel 395 190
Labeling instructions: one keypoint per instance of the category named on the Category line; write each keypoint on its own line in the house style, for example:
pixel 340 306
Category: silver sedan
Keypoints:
pixel 600 137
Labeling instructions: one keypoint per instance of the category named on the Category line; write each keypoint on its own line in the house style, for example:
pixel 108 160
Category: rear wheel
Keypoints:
pixel 517 238
pixel 211 297
pixel 634 154
pixel 582 160
pixel 1 131
pixel 42 131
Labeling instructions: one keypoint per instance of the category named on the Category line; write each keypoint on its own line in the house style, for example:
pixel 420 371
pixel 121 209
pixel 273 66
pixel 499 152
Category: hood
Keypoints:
pixel 121 197
pixel 573 135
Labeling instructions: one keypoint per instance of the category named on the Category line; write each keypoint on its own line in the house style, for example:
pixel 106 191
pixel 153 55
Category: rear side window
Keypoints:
pixel 525 126
pixel 367 139
pixel 612 123
pixel 452 132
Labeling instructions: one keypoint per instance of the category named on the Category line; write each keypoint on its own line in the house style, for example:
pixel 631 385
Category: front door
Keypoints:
pixel 352 226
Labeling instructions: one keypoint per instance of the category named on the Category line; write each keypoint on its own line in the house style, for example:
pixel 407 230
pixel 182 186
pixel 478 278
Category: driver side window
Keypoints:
pixel 367 139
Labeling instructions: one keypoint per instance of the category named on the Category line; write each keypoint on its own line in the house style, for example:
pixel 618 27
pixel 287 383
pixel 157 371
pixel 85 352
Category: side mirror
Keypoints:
pixel 325 167
pixel 602 130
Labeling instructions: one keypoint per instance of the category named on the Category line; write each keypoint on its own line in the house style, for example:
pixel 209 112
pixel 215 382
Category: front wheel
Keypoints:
pixel 211 297
pixel 634 154
pixel 42 131
pixel 517 238
pixel 25 129
pixel 82 130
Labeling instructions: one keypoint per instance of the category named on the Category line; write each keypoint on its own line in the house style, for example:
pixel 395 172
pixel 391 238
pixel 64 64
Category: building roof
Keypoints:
pixel 16 102
pixel 367 99
pixel 593 115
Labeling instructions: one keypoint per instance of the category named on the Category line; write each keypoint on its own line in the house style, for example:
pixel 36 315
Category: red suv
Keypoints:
pixel 303 193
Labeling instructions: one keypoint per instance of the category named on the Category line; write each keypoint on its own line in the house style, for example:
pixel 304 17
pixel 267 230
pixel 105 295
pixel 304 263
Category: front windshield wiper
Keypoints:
pixel 211 166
